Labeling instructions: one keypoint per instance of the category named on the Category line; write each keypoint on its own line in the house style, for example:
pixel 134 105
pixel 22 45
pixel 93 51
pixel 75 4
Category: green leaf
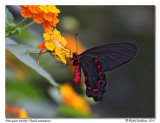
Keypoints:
pixel 21 51
pixel 69 111
pixel 19 89
pixel 8 17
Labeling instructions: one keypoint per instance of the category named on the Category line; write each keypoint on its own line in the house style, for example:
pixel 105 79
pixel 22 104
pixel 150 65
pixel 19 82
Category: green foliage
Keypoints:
pixel 21 51
pixel 25 36
pixel 19 89
pixel 69 111
pixel 8 17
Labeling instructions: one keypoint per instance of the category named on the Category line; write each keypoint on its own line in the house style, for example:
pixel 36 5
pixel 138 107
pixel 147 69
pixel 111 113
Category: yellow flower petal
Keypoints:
pixel 63 41
pixel 53 9
pixel 58 51
pixel 56 32
pixel 23 114
pixel 69 54
pixel 46 36
pixel 44 8
pixel 64 61
pixel 62 58
pixel 50 46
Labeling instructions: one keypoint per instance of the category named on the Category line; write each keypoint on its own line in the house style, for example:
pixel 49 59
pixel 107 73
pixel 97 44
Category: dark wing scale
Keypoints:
pixel 112 55
pixel 91 72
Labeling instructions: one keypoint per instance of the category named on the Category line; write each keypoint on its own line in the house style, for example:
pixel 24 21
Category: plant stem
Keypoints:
pixel 37 52
pixel 18 24
pixel 28 25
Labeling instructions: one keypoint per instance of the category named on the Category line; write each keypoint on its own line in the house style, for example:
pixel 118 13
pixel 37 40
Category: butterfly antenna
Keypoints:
pixel 76 41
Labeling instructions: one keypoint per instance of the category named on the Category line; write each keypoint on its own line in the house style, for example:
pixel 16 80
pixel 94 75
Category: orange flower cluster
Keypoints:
pixel 71 98
pixel 42 13
pixel 53 41
pixel 15 112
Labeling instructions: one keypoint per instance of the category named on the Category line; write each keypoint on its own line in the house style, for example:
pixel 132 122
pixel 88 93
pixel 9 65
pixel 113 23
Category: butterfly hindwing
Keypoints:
pixel 112 55
pixel 95 79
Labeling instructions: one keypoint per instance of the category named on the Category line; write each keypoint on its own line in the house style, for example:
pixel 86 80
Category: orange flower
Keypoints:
pixel 54 23
pixel 50 16
pixel 25 12
pixel 24 6
pixel 71 98
pixel 15 112
pixel 48 30
pixel 41 13
pixel 53 41
pixel 8 110
pixel 56 43
pixel 34 8
pixel 42 46
pixel 38 17
pixel 46 24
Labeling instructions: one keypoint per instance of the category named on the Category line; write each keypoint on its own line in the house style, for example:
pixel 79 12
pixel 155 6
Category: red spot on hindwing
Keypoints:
pixel 95 90
pixel 95 60
pixel 89 88
pixel 99 66
pixel 100 72
pixel 99 81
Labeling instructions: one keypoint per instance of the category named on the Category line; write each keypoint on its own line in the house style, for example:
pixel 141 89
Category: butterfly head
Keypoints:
pixel 75 58
pixel 75 54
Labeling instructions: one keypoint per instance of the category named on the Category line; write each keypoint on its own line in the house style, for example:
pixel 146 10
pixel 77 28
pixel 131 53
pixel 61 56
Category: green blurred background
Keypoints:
pixel 131 88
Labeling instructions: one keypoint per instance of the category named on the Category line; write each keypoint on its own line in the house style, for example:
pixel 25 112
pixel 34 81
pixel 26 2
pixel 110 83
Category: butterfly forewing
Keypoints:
pixel 112 55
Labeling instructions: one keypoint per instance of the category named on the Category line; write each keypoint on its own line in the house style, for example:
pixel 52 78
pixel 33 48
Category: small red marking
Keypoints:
pixel 89 88
pixel 99 81
pixel 96 60
pixel 95 90
pixel 99 66
pixel 100 72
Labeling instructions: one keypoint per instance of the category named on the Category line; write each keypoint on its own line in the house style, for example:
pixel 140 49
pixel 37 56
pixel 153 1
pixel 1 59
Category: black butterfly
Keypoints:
pixel 95 61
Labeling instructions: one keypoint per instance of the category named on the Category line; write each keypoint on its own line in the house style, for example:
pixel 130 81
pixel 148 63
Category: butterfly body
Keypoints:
pixel 95 61
pixel 77 73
